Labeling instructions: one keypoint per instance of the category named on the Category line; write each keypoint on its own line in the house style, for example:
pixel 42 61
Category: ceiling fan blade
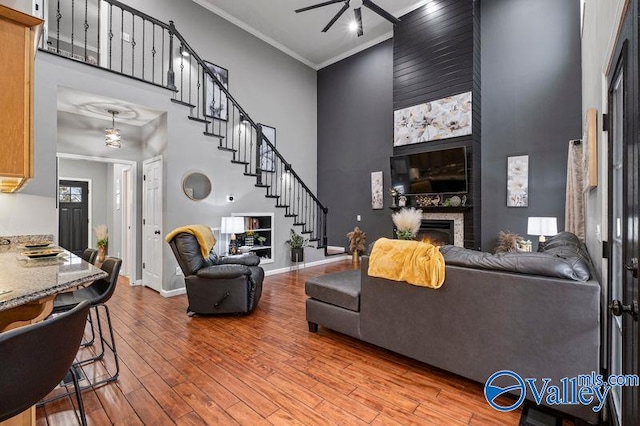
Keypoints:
pixel 358 13
pixel 315 6
pixel 335 18
pixel 380 11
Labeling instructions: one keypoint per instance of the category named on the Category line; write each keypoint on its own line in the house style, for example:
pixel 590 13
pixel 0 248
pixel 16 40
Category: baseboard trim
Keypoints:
pixel 135 283
pixel 333 259
pixel 172 293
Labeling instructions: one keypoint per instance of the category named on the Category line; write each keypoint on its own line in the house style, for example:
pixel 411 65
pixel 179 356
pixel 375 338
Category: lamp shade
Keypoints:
pixel 232 225
pixel 542 226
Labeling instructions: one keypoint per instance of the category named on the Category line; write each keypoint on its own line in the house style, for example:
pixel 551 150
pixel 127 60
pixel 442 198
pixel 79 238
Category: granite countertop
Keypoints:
pixel 24 280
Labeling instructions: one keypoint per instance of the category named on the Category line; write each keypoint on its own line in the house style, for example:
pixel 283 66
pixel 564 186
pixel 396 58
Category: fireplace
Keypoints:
pixel 437 232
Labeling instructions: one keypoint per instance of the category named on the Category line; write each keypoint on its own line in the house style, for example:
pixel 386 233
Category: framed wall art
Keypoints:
pixel 441 119
pixel 267 156
pixel 518 181
pixel 590 149
pixel 216 104
pixel 377 203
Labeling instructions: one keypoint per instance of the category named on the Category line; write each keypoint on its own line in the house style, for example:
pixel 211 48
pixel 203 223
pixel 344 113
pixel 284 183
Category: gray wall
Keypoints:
pixel 600 25
pixel 531 104
pixel 97 172
pixel 355 131
pixel 272 87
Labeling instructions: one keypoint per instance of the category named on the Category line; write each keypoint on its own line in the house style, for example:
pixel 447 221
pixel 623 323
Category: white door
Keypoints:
pixel 152 224
pixel 125 199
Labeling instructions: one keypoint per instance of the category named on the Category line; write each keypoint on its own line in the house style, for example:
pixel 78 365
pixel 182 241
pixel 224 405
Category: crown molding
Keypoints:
pixel 251 30
pixel 248 28
pixel 355 50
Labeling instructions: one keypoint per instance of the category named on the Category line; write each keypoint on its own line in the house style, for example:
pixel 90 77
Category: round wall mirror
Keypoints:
pixel 196 186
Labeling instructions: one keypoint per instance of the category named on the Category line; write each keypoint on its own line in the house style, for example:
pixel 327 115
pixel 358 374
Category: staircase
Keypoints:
pixel 149 56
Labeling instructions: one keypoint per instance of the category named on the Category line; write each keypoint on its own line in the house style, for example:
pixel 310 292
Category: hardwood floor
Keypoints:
pixel 263 369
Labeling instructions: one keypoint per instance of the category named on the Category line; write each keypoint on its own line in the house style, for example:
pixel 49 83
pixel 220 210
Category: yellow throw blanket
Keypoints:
pixel 202 233
pixel 415 262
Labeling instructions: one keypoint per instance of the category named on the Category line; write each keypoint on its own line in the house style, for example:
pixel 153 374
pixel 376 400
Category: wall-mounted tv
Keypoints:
pixel 441 171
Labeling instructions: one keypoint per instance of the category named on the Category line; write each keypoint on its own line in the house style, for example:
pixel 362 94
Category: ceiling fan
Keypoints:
pixel 357 11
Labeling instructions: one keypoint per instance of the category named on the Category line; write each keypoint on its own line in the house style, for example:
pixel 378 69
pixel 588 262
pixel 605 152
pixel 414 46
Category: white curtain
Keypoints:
pixel 574 205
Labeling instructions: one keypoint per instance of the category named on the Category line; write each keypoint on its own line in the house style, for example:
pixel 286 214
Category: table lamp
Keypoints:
pixel 542 226
pixel 232 225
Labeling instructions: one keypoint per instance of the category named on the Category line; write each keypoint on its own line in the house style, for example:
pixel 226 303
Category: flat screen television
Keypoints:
pixel 441 171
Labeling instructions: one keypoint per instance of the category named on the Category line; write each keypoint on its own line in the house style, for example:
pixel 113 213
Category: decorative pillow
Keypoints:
pixel 508 242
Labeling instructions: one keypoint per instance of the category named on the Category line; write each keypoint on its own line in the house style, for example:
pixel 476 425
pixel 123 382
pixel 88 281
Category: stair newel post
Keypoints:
pixel 258 151
pixel 171 76
pixel 325 210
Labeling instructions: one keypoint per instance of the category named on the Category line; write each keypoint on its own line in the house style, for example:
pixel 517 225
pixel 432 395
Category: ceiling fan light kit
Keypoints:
pixel 357 10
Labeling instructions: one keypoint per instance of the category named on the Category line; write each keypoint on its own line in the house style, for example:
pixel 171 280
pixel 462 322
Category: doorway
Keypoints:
pixel 621 320
pixel 112 198
pixel 73 218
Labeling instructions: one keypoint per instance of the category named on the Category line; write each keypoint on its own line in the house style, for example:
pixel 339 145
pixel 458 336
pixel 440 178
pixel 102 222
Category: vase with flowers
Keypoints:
pixel 102 241
pixel 407 222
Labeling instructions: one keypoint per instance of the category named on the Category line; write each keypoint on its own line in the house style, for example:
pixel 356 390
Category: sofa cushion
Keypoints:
pixel 560 265
pixel 340 289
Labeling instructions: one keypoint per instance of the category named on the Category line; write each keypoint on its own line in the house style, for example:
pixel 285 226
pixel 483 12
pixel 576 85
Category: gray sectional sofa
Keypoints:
pixel 482 319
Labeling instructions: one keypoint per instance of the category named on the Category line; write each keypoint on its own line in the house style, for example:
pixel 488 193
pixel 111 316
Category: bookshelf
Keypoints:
pixel 257 225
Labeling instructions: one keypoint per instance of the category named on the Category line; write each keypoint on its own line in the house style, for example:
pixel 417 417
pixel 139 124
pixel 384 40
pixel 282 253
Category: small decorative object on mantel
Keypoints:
pixel 425 200
pixel 402 201
pixel 357 241
pixel 455 201
pixel 394 195
pixel 407 222
pixel 102 241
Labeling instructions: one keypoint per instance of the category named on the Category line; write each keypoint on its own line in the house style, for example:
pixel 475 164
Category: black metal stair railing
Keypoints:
pixel 121 39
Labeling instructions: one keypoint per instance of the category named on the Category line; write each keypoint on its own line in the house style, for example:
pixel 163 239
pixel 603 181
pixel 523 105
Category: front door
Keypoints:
pixel 152 224
pixel 73 218
pixel 623 334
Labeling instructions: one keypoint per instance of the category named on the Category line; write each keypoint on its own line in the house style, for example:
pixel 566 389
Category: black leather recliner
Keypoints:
pixel 231 284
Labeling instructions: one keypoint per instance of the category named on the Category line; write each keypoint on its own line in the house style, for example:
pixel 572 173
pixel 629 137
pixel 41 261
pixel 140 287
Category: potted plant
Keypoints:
pixel 102 241
pixel 357 241
pixel 407 222
pixel 297 243
pixel 260 239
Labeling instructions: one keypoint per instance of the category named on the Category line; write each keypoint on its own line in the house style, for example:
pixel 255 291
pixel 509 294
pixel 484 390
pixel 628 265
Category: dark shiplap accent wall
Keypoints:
pixel 433 53
pixel 437 54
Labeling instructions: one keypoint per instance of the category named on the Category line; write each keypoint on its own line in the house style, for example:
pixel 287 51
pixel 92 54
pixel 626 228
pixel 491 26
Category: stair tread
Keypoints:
pixel 239 162
pixel 262 185
pixel 306 232
pixel 224 148
pixel 251 174
pixel 179 102
pixel 272 196
pixel 282 206
pixel 290 215
pixel 213 135
pixel 299 224
pixel 198 119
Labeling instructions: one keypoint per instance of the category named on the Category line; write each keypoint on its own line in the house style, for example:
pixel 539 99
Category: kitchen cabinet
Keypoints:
pixel 19 34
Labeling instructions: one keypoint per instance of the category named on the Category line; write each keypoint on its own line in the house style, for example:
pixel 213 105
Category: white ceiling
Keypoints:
pixel 299 34
pixel 95 106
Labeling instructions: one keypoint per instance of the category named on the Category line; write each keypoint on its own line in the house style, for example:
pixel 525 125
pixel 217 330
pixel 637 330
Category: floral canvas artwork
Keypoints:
pixel 518 181
pixel 267 156
pixel 445 118
pixel 377 202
